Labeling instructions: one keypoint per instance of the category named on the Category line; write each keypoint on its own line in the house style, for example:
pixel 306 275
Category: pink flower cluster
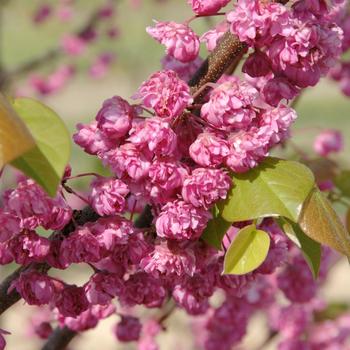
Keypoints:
pixel 297 46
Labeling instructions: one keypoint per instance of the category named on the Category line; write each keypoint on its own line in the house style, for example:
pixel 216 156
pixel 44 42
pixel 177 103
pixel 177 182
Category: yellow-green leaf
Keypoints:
pixel 216 229
pixel 247 251
pixel 15 139
pixel 311 249
pixel 275 188
pixel 45 163
pixel 320 222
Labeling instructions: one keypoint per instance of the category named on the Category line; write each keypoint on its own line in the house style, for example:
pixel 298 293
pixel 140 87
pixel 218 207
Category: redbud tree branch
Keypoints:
pixel 220 60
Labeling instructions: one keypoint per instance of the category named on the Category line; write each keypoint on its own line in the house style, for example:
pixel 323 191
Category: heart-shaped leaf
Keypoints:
pixel 320 222
pixel 45 163
pixel 216 229
pixel 247 251
pixel 15 138
pixel 275 188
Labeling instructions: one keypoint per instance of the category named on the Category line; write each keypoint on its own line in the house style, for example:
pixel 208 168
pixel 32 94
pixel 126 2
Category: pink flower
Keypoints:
pixel 296 280
pixel 230 105
pixel 128 329
pixel 108 195
pixel 278 121
pixel 103 287
pixel 71 301
pixel 73 45
pixel 90 138
pixel 185 71
pixel 277 89
pixel 207 7
pixel 248 148
pixel 81 246
pixel 209 150
pixel 166 178
pixel 205 186
pixel 143 289
pixel 29 247
pixel 212 36
pixel 180 41
pixel 35 288
pixel 165 93
pixel 87 319
pixel 155 134
pixel 256 22
pixel 328 141
pixel 115 117
pixel 257 64
pixel 180 221
pixel 129 160
pixel 9 226
pixel 169 258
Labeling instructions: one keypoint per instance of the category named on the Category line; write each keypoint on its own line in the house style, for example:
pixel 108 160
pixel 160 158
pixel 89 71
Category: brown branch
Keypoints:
pixel 59 339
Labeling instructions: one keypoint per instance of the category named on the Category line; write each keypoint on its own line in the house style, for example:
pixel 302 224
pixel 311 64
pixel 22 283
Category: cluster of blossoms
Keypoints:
pixel 170 153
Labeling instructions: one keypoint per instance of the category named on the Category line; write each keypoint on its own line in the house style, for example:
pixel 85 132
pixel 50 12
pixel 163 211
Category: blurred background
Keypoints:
pixel 24 39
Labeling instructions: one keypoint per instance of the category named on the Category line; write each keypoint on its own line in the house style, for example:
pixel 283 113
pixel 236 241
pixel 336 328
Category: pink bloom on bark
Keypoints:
pixel 35 288
pixel 129 160
pixel 257 64
pixel 169 258
pixel 128 329
pixel 87 319
pixel 212 36
pixel 185 71
pixel 143 289
pixel 230 105
pixel 180 221
pixel 90 138
pixel 180 40
pixel 71 301
pixel 205 186
pixel 29 247
pixel 248 148
pixel 209 150
pixel 166 93
pixel 9 226
pixel 108 195
pixel 277 89
pixel 115 117
pixel 207 7
pixel 81 246
pixel 166 178
pixel 328 141
pixel 103 287
pixel 278 121
pixel 155 134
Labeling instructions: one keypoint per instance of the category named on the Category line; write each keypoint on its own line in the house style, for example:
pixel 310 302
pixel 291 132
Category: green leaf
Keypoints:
pixel 247 251
pixel 311 249
pixel 15 138
pixel 320 222
pixel 216 229
pixel 46 162
pixel 275 188
pixel 342 181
